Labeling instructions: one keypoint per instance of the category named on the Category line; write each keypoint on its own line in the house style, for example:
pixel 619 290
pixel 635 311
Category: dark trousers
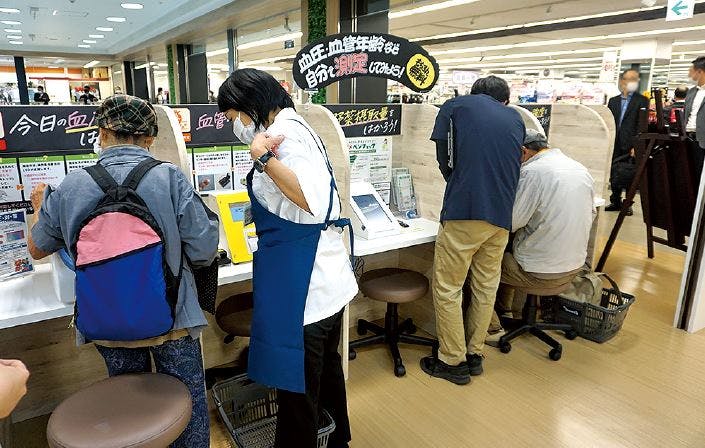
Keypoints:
pixel 298 416
pixel 180 359
pixel 698 157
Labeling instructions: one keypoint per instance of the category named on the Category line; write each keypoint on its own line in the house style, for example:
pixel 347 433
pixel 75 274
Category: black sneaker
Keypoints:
pixel 630 212
pixel 613 208
pixel 475 364
pixel 459 374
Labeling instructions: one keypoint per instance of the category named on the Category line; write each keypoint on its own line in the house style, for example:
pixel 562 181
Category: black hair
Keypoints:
pixel 40 87
pixel 699 63
pixel 160 89
pixel 624 73
pixel 535 146
pixel 253 92
pixel 493 86
pixel 680 92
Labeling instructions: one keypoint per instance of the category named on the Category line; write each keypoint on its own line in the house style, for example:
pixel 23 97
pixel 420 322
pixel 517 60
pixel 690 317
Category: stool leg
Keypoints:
pixel 392 327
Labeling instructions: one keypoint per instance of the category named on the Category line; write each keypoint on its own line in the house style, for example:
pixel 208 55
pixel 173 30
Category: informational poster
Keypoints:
pixel 350 55
pixel 204 124
pixel 49 170
pixel 371 161
pixel 80 161
pixel 242 165
pixel 213 166
pixel 10 185
pixel 543 113
pixel 14 252
pixel 367 120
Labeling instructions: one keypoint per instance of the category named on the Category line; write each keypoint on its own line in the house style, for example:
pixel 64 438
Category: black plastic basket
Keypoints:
pixel 249 411
pixel 596 323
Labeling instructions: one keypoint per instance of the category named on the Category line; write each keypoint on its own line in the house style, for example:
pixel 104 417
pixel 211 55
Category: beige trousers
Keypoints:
pixel 514 276
pixel 462 246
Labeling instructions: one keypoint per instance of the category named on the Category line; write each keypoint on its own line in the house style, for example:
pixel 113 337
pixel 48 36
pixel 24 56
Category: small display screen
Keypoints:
pixel 372 210
pixel 241 211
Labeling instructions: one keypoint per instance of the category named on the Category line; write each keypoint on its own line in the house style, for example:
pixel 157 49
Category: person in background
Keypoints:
pixel 677 104
pixel 87 97
pixel 695 114
pixel 302 277
pixel 552 217
pixel 127 129
pixel 482 172
pixel 117 90
pixel 13 384
pixel 212 98
pixel 40 96
pixel 625 109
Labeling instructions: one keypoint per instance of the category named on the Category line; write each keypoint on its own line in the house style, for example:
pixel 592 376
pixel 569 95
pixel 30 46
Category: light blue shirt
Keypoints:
pixel 625 105
pixel 189 227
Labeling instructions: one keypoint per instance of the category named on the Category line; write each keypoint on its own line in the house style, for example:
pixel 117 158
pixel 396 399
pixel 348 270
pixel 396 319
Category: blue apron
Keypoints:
pixel 282 268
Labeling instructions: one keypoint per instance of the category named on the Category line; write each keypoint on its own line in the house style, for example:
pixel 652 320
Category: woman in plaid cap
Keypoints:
pixel 128 126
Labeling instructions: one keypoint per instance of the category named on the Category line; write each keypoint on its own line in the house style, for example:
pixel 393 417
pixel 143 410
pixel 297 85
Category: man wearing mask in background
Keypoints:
pixel 40 96
pixel 695 113
pixel 87 97
pixel 478 140
pixel 625 109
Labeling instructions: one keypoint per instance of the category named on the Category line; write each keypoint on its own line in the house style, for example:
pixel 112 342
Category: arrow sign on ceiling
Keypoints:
pixel 680 10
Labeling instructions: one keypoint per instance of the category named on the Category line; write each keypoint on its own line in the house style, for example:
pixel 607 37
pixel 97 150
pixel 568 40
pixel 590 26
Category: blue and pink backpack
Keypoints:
pixel 125 290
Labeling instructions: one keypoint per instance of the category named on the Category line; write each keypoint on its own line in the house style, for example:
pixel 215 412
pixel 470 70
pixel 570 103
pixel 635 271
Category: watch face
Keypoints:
pixel 259 166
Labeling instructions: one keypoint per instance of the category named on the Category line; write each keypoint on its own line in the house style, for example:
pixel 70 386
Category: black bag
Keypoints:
pixel 623 171
pixel 206 280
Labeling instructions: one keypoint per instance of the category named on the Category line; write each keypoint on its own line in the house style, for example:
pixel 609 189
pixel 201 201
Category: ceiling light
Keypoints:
pixel 115 19
pixel 104 28
pixel 88 41
pixel 91 64
pixel 527 55
pixel 163 65
pixel 544 43
pixel 117 72
pixel 96 36
pixel 10 22
pixel 132 5
pixel 262 61
pixel 16 42
pixel 53 66
pixel 688 42
pixel 210 54
pixel 10 10
pixel 14 36
pixel 271 40
pixel 267 68
pixel 142 66
pixel 12 30
pixel 83 46
pixel 429 8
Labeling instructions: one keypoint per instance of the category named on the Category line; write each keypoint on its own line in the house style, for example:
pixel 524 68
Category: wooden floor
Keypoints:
pixel 643 389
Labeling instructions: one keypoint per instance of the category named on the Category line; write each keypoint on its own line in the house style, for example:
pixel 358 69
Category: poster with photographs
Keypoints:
pixel 14 252
pixel 213 167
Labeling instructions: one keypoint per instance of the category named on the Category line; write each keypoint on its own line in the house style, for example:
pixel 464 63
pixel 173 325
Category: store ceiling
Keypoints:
pixel 63 25
pixel 147 31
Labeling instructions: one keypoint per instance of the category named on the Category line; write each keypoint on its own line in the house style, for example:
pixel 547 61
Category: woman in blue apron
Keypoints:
pixel 302 274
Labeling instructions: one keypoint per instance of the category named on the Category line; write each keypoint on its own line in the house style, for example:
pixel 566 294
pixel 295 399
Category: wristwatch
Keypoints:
pixel 262 161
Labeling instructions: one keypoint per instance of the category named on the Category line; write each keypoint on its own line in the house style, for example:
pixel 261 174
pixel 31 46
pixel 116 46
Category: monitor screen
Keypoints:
pixel 372 210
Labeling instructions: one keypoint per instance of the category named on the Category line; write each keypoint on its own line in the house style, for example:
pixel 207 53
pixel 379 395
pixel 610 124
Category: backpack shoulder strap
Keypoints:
pixel 101 176
pixel 135 177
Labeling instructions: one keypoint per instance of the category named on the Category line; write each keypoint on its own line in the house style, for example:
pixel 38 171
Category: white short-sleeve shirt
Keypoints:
pixel 333 283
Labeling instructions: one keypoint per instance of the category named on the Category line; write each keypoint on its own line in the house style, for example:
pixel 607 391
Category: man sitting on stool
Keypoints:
pixel 552 217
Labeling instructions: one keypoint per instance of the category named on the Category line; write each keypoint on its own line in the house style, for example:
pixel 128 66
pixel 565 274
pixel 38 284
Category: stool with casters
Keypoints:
pixel 529 324
pixel 392 286
pixel 234 316
pixel 146 410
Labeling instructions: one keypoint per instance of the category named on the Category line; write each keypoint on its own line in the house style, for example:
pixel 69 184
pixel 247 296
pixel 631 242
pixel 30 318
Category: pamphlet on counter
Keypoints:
pixel 14 252
pixel 371 161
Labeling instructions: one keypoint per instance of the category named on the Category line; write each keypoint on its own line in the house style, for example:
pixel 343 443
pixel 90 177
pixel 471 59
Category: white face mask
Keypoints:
pixel 632 86
pixel 96 146
pixel 244 133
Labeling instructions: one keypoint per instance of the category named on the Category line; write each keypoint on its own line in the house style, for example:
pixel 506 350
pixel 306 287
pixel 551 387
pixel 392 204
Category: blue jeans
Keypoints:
pixel 180 359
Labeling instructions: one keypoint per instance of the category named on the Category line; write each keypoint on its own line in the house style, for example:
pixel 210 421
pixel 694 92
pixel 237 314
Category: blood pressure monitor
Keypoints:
pixel 372 218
